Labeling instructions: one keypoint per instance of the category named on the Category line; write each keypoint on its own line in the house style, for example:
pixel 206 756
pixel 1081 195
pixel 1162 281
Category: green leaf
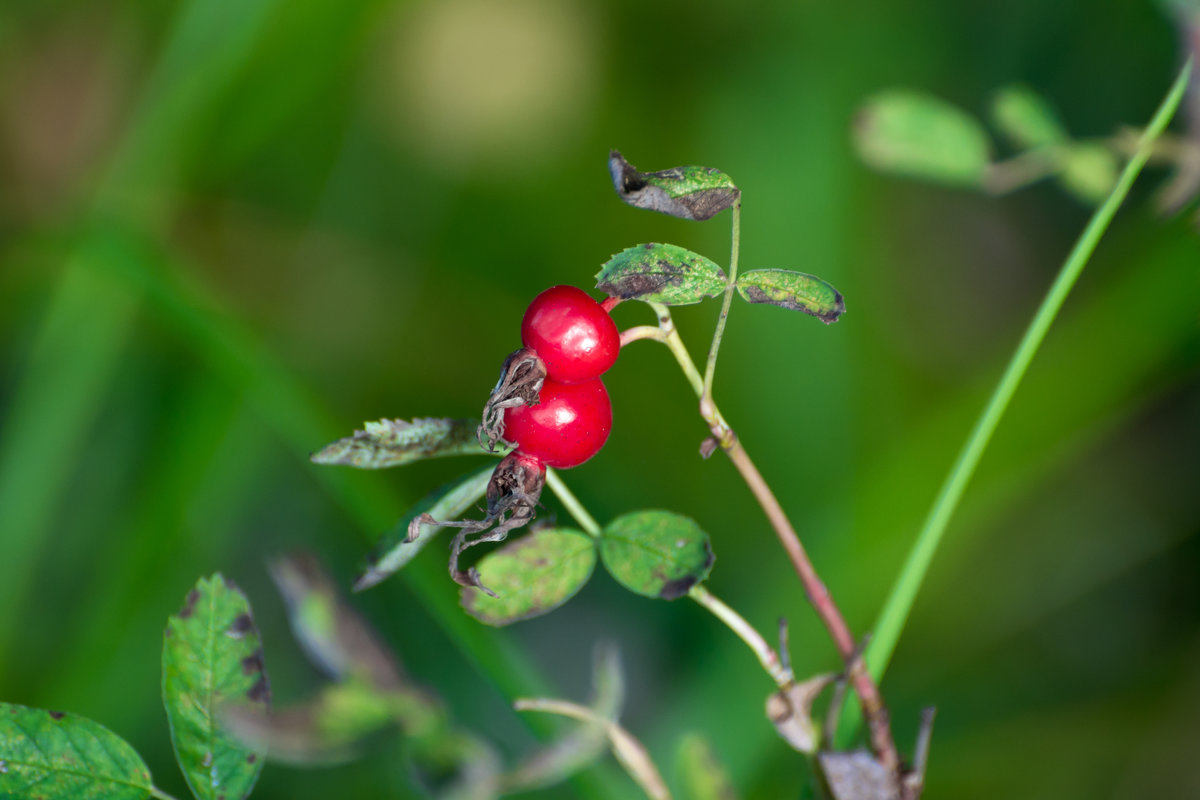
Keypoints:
pixel 395 442
pixel 393 551
pixel 1089 171
pixel 1026 118
pixel 661 273
pixel 656 553
pixel 66 757
pixel 794 291
pixel 531 576
pixel 212 658
pixel 701 773
pixel 695 193
pixel 916 134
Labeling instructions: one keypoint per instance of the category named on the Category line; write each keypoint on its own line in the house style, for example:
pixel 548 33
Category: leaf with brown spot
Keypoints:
pixel 212 657
pixel 333 635
pixel 656 553
pixel 794 291
pixel 661 273
pixel 394 442
pixel 66 757
pixel 693 193
pixel 531 576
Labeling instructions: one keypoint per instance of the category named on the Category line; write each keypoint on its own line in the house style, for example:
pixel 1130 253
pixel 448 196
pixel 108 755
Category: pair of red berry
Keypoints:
pixel 577 341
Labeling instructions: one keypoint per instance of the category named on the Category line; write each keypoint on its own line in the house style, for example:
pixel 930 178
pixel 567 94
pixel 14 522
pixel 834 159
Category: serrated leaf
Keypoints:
pixel 531 576
pixel 695 193
pixel 1026 118
pixel 395 442
pixel 1089 171
pixel 661 273
pixel 917 134
pixel 212 658
pixel 702 774
pixel 332 634
pixel 392 551
pixel 794 291
pixel 58 756
pixel 656 553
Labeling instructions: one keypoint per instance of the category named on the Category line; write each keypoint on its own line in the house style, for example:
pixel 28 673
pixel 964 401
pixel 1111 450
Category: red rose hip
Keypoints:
pixel 568 426
pixel 572 334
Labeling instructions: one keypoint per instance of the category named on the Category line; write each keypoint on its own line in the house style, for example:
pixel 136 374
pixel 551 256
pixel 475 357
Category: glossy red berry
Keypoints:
pixel 571 333
pixel 567 427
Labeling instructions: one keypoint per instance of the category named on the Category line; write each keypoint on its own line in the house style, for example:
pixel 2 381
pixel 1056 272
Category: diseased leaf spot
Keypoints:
pixel 189 606
pixel 678 587
pixel 260 692
pixel 251 758
pixel 57 715
pixel 253 663
pixel 242 625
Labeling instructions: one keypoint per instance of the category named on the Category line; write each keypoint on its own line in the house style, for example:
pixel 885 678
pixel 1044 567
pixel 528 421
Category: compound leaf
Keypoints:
pixel 695 193
pixel 212 658
pixel 66 757
pixel 531 576
pixel 393 551
pixel 916 134
pixel 794 291
pixel 656 553
pixel 661 273
pixel 395 442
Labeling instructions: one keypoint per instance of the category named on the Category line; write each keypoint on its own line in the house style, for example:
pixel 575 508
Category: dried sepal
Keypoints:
pixel 521 380
pixel 512 498
pixel 790 711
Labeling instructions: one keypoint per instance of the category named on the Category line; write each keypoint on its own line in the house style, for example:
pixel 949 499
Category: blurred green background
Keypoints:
pixel 231 232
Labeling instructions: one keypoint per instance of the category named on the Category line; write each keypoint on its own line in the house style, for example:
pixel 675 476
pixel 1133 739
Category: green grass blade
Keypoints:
pixel 891 621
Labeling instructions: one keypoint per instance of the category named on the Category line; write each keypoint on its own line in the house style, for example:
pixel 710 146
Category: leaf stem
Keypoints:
pixel 574 507
pixel 816 591
pixel 899 603
pixel 160 794
pixel 641 332
pixel 767 656
pixel 629 751
pixel 710 367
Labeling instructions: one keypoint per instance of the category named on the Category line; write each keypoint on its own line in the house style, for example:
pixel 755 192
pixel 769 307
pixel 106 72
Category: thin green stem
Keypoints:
pixel 710 367
pixel 160 794
pixel 899 603
pixel 574 507
pixel 671 338
pixel 641 332
pixel 745 631
pixel 766 654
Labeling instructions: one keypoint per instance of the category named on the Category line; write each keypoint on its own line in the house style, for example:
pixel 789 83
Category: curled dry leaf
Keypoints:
pixel 694 193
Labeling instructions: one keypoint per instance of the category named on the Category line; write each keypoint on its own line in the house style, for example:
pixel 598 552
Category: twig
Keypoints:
pixel 818 595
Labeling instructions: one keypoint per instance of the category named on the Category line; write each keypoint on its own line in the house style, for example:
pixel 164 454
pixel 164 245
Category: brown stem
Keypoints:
pixel 874 710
